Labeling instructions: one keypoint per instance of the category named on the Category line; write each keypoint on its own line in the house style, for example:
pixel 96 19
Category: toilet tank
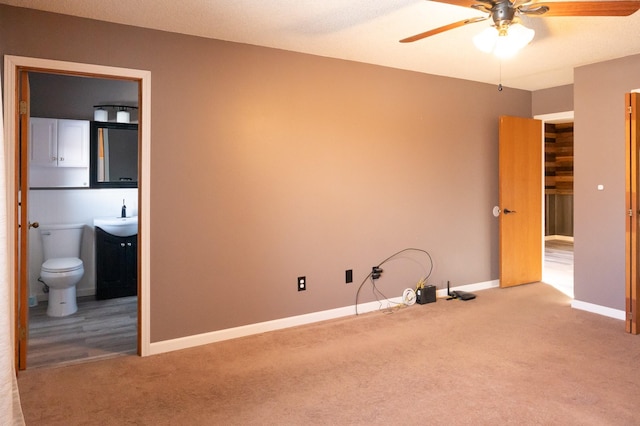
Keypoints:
pixel 61 240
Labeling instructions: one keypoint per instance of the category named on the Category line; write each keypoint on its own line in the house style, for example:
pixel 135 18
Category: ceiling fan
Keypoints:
pixel 505 15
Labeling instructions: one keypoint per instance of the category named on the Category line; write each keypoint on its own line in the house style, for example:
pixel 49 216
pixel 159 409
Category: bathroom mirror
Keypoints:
pixel 114 155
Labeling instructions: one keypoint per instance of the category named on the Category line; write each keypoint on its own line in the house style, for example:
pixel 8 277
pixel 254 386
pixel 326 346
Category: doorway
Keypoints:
pixel 558 201
pixel 101 328
pixel 14 67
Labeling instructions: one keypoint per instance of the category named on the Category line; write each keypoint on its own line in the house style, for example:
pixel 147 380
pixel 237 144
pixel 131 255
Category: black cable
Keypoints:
pixel 386 260
pixel 359 288
pixel 377 292
pixel 411 249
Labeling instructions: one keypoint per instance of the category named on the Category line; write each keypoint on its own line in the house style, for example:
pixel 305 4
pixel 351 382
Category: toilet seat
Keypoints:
pixel 62 264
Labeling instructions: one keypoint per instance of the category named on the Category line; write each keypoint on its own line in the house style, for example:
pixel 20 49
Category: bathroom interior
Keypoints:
pixel 105 322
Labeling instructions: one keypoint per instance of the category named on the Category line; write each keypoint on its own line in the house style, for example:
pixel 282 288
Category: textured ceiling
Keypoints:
pixel 368 31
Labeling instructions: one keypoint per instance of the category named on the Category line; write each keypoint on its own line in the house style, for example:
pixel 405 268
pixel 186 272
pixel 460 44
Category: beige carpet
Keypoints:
pixel 512 356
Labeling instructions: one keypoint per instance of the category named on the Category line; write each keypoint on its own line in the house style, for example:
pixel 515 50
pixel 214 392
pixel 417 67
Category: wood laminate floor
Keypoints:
pixel 99 329
pixel 558 265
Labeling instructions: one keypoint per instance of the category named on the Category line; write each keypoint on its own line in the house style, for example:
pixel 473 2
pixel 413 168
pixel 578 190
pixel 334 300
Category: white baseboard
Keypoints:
pixel 600 310
pixel 558 237
pixel 262 327
pixel 250 329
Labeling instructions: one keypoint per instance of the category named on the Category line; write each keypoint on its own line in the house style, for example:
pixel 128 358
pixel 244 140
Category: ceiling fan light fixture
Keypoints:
pixel 486 40
pixel 505 41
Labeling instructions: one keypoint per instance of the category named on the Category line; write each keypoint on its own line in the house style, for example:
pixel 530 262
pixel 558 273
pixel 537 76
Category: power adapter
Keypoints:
pixel 426 294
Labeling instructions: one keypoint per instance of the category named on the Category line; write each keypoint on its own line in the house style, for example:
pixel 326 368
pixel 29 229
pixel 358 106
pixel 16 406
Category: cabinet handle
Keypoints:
pixel 53 158
pixel 129 244
pixel 61 158
pixel 121 244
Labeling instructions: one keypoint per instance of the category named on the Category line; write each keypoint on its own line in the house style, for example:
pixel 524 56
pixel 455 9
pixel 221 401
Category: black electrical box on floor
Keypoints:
pixel 427 294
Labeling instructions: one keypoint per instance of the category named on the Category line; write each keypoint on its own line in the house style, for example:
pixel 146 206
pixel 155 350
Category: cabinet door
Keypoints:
pixel 43 142
pixel 110 258
pixel 132 265
pixel 116 265
pixel 73 143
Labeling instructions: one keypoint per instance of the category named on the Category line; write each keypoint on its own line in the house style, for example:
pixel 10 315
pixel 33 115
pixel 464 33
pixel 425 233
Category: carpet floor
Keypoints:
pixel 512 356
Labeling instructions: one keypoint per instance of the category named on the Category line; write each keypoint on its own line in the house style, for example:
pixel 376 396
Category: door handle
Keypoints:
pixel 33 225
pixel 507 211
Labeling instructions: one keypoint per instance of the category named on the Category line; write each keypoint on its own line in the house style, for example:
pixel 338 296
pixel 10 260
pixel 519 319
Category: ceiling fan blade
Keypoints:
pixel 442 29
pixel 464 3
pixel 588 8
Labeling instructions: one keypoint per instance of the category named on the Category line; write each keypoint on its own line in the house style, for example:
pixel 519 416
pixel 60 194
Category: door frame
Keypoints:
pixel 550 118
pixel 632 285
pixel 12 66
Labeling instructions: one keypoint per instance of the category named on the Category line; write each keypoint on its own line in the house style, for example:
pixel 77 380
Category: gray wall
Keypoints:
pixel 73 97
pixel 599 154
pixel 600 159
pixel 268 165
pixel 554 99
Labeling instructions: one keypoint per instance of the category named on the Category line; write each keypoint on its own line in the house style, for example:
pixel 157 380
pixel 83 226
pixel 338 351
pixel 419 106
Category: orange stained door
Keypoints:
pixel 632 122
pixel 22 236
pixel 520 192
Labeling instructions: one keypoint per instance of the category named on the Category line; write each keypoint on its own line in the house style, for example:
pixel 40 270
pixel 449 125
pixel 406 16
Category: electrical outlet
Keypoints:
pixel 376 271
pixel 302 283
pixel 348 276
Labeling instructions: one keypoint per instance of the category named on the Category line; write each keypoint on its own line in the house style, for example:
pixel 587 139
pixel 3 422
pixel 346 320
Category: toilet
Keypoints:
pixel 62 268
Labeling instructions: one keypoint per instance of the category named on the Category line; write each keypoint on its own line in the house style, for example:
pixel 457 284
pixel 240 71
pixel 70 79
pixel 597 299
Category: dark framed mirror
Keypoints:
pixel 114 155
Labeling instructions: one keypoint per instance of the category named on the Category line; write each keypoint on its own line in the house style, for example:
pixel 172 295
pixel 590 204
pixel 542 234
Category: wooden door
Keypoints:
pixel 632 123
pixel 520 192
pixel 22 233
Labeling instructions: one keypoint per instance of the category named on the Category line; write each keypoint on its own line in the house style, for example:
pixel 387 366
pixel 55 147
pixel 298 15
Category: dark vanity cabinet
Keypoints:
pixel 116 265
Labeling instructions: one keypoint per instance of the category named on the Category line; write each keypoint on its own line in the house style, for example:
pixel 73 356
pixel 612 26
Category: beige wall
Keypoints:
pixel 268 165
pixel 600 160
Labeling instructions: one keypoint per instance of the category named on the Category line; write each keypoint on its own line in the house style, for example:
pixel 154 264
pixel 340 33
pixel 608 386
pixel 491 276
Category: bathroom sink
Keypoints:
pixel 118 226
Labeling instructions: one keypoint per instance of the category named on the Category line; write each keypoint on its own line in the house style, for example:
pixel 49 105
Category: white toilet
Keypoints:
pixel 62 268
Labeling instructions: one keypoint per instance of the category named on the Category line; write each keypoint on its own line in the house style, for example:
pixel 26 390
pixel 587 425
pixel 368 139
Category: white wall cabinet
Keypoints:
pixel 59 143
pixel 58 152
